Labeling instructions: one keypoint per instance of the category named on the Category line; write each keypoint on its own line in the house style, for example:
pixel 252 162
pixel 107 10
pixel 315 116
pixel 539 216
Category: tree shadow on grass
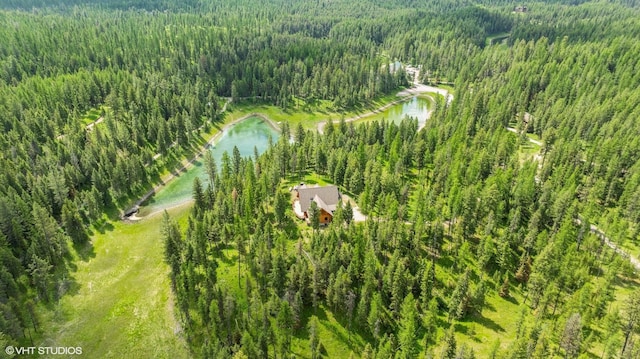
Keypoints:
pixel 102 226
pixel 333 328
pixel 460 328
pixel 445 261
pixel 68 286
pixel 225 257
pixel 85 250
pixel 353 343
pixel 626 282
pixel 511 299
pixel 489 306
pixel 487 323
pixel 302 333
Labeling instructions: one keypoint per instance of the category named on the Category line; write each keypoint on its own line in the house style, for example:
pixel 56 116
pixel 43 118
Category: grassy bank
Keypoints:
pixel 307 113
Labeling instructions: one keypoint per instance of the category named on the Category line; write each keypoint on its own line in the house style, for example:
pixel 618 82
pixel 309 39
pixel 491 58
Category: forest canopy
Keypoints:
pixel 99 98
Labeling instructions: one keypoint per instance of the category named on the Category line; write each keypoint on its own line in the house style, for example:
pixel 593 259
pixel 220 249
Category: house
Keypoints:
pixel 326 197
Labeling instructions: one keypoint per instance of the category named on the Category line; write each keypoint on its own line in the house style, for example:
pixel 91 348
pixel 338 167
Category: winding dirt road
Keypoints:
pixel 598 232
pixel 593 228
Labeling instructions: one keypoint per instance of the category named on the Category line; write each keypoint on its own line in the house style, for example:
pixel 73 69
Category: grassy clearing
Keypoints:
pixel 449 88
pixel 333 333
pixel 307 113
pixel 501 317
pixel 528 151
pixel 92 115
pixel 496 38
pixel 498 320
pixel 632 248
pixel 121 303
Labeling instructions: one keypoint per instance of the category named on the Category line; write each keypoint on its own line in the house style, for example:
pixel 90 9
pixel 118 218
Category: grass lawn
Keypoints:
pixel 632 248
pixel 527 151
pixel 333 335
pixel 310 178
pixel 498 320
pixel 500 317
pixel 449 88
pixel 120 305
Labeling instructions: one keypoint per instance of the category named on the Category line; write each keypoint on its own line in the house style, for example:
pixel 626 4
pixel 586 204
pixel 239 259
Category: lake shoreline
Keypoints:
pixel 215 137
pixel 190 163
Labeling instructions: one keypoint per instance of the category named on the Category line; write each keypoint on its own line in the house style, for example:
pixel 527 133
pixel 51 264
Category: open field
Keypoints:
pixel 120 304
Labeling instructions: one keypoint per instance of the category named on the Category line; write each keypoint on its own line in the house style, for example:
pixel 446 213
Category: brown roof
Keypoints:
pixel 326 197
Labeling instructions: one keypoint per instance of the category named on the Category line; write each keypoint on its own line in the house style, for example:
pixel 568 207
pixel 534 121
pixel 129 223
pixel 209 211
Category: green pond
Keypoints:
pixel 250 133
pixel 416 107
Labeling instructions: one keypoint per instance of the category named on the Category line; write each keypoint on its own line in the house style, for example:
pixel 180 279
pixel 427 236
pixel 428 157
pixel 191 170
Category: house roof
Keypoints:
pixel 321 204
pixel 326 197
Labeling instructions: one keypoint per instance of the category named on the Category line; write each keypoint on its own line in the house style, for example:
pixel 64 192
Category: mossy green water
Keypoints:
pixel 254 132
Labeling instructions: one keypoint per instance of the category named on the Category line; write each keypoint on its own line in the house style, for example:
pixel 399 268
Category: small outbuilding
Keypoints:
pixel 131 211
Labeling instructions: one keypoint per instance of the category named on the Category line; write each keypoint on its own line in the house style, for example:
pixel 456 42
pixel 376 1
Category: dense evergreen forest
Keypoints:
pixel 97 99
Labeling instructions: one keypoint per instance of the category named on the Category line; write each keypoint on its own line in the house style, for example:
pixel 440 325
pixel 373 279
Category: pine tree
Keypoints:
pixel 572 336
pixel 407 332
pixel 427 284
pixel 348 212
pixel 459 298
pixel 198 197
pixel 631 318
pixel 72 222
pixel 314 341
pixel 281 205
pixel 450 346
pixel 172 246
pixel 314 215
pixel 504 288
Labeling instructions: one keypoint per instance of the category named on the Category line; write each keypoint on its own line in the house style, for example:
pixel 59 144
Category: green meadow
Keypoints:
pixel 120 304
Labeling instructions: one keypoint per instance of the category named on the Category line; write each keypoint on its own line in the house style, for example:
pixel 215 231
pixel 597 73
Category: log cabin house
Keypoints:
pixel 326 197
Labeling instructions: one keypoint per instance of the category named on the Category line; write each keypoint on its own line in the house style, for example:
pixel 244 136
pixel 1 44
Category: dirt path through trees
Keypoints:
pixel 592 228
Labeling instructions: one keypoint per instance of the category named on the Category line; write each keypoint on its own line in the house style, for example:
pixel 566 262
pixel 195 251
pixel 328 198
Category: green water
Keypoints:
pixel 247 134
pixel 416 107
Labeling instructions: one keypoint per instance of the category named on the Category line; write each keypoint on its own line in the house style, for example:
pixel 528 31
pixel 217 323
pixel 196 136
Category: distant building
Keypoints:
pixel 395 66
pixel 520 8
pixel 326 197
